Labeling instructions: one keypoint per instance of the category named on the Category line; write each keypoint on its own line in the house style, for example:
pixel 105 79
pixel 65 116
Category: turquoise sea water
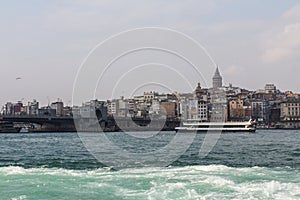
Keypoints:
pixel 265 165
pixel 190 182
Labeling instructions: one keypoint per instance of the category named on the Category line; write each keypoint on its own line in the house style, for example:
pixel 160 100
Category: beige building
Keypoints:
pixel 290 113
pixel 169 108
pixel 290 110
pixel 236 109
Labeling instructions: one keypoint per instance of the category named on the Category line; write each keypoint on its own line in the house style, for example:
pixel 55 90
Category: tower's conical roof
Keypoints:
pixel 217 79
pixel 217 73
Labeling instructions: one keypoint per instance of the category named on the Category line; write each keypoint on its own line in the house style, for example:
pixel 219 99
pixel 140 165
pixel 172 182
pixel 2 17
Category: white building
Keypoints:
pixel 260 110
pixel 270 88
pixel 155 108
pixel 33 108
pixel 112 107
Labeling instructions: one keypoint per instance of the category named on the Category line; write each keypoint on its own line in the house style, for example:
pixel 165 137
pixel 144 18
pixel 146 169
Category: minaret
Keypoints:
pixel 217 79
pixel 198 91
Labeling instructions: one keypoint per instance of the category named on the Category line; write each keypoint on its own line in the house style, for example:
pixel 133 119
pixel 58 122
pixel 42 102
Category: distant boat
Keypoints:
pixel 24 130
pixel 197 126
pixel 8 127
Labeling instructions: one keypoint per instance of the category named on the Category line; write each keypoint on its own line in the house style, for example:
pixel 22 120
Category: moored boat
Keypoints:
pixel 8 127
pixel 196 126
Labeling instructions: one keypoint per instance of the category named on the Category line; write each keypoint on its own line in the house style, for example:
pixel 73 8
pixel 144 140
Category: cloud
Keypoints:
pixel 293 13
pixel 284 46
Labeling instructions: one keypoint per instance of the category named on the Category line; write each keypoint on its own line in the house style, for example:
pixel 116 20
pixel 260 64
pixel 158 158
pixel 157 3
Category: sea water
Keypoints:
pixel 264 165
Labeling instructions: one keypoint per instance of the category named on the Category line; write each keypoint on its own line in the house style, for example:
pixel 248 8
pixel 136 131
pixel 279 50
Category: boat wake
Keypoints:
pixel 190 182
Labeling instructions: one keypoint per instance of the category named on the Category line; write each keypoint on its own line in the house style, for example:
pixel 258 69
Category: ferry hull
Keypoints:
pixel 215 131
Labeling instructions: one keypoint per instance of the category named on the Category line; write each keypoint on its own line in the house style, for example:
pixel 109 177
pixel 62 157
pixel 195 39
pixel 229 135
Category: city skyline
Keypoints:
pixel 45 43
pixel 269 106
pixel 216 78
pixel 67 102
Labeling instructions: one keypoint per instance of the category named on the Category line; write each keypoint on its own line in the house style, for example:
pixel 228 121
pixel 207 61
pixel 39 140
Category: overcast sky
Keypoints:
pixel 44 42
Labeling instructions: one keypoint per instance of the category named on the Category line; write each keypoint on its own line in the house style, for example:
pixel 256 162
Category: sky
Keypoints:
pixel 45 43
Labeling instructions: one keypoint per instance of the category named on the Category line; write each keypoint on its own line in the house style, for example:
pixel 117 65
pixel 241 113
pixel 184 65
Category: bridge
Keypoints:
pixel 43 123
pixel 67 124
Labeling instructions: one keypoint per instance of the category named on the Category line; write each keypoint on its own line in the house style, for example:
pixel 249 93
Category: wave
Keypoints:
pixel 204 168
pixel 190 182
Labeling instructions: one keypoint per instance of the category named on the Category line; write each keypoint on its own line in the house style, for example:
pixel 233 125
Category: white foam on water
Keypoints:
pixel 12 170
pixel 210 168
pixel 190 182
pixel 171 191
pixel 15 170
pixel 218 181
pixel 269 190
pixel 22 197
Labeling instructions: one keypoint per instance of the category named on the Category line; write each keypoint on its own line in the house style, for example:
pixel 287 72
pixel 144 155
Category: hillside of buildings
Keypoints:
pixel 269 106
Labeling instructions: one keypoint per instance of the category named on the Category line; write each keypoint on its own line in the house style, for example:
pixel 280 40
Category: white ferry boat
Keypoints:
pixel 196 126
